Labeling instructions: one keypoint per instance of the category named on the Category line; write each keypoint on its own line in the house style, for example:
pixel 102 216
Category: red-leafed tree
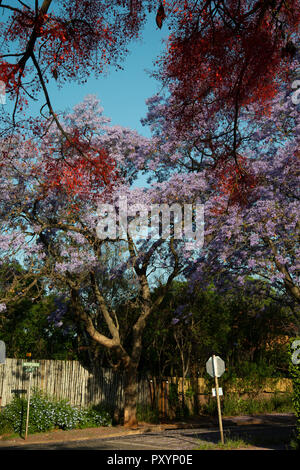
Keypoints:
pixel 231 51
pixel 225 62
pixel 221 56
pixel 227 53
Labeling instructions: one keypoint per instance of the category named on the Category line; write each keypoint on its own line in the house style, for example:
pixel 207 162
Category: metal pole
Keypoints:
pixel 218 401
pixel 28 404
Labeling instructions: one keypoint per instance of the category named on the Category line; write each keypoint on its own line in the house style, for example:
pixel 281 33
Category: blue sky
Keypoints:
pixel 122 93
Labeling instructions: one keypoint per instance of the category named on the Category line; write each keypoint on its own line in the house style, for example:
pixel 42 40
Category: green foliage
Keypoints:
pixel 233 405
pixel 6 427
pixel 106 409
pixel 190 393
pixel 173 399
pixel 147 414
pixel 239 326
pixel 179 409
pixel 210 408
pixel 282 403
pixel 48 413
pixel 254 371
pixel 249 377
pixel 229 444
pixel 173 396
pixel 295 376
pixel 34 333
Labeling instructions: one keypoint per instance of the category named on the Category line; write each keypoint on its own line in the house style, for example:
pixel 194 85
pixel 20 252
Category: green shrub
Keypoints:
pixel 173 396
pixel 48 413
pixel 295 376
pixel 175 403
pixel 248 377
pixel 147 414
pixel 234 405
pixel 105 409
pixel 282 403
pixel 210 408
pixel 5 426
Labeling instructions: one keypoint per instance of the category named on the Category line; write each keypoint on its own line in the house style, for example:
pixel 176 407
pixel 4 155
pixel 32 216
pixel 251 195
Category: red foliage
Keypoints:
pixel 81 176
pixel 223 55
pixel 234 184
pixel 228 52
pixel 69 41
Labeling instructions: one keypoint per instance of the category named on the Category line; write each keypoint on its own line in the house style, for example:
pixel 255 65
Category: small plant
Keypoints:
pixel 5 427
pixel 173 399
pixel 294 444
pixel 210 408
pixel 147 414
pixel 190 393
pixel 105 409
pixel 176 404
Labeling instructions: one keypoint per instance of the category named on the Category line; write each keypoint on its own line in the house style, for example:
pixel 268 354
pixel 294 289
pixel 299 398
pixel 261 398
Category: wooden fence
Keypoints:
pixel 68 380
pixel 71 381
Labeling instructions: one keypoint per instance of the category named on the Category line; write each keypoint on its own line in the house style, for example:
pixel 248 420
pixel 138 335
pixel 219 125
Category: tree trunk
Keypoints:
pixel 130 396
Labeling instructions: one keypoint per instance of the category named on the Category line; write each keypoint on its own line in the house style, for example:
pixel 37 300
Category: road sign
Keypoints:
pixel 29 366
pixel 214 393
pixel 215 368
pixel 2 352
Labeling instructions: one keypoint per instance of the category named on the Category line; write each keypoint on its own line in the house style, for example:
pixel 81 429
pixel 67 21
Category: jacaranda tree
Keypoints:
pixel 53 229
pixel 221 137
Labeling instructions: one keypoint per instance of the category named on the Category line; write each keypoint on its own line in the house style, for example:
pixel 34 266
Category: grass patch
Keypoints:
pixel 8 437
pixel 229 444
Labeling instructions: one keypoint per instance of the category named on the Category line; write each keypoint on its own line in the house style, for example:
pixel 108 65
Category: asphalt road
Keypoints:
pixel 275 437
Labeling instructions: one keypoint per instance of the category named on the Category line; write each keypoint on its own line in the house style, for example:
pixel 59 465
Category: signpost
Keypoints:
pixel 29 367
pixel 2 354
pixel 215 367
